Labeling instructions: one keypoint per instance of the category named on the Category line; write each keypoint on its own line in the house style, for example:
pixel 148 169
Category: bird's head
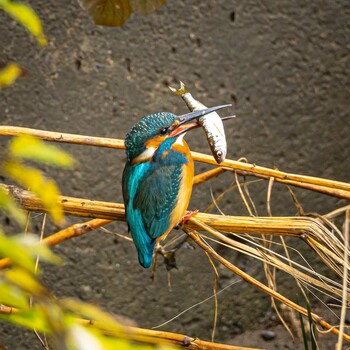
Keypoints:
pixel 143 139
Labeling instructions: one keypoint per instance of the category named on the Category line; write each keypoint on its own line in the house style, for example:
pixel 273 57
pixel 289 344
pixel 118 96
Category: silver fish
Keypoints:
pixel 211 123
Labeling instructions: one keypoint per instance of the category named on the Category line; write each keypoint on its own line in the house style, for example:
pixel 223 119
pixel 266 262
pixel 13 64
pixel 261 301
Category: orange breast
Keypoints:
pixel 185 190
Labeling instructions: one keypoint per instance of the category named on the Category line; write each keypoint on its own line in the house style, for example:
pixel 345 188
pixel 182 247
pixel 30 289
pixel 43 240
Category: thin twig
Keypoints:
pixel 216 274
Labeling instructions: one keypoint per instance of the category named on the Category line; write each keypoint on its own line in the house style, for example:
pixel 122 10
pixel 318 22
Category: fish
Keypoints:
pixel 211 123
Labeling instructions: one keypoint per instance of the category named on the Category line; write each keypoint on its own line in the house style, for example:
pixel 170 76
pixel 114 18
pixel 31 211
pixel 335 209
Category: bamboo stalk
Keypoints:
pixel 326 186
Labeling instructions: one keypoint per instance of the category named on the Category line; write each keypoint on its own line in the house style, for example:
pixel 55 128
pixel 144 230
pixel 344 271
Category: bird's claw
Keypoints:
pixel 188 215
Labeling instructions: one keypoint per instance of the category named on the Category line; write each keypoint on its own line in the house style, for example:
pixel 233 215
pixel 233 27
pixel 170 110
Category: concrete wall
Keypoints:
pixel 285 67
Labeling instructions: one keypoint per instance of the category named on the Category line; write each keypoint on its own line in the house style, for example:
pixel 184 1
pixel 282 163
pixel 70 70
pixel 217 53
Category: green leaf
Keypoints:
pixel 36 249
pixel 80 338
pixel 18 254
pixel 25 15
pixel 44 188
pixel 25 281
pixel 30 147
pixel 32 318
pixel 11 208
pixel 9 74
pixel 91 312
pixel 23 249
pixel 13 296
pixel 110 343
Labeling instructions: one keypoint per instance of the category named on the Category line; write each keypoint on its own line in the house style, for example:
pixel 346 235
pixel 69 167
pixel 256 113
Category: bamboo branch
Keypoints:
pixel 326 186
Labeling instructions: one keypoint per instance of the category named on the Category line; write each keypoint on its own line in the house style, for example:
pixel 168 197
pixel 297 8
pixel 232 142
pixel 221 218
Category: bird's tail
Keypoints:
pixel 143 242
pixel 145 253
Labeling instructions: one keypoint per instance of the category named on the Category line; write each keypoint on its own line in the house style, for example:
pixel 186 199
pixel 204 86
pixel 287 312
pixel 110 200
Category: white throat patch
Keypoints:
pixel 144 156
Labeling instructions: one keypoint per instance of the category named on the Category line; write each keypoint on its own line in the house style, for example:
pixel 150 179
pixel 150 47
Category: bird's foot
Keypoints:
pixel 188 215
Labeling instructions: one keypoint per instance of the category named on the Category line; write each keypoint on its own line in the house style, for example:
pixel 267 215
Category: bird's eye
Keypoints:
pixel 163 131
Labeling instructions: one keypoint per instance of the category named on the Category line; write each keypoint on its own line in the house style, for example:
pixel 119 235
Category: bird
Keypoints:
pixel 158 177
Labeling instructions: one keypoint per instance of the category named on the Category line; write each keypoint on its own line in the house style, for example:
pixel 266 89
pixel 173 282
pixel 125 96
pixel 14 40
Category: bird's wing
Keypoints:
pixel 156 197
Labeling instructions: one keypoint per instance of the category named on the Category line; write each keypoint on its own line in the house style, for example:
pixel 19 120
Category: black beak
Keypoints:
pixel 185 118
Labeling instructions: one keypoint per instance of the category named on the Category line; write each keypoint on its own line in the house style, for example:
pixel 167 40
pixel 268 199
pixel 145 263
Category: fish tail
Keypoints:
pixel 183 89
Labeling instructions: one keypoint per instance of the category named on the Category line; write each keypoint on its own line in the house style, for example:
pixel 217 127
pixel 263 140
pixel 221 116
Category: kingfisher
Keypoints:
pixel 158 177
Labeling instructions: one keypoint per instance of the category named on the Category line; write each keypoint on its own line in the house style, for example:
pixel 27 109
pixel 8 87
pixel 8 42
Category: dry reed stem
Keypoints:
pixel 196 238
pixel 207 175
pixel 326 186
pixel 159 337
pixel 267 257
pixel 188 342
pixel 285 226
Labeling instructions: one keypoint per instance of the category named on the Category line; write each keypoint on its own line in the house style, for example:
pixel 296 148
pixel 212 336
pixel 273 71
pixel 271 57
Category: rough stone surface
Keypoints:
pixel 285 67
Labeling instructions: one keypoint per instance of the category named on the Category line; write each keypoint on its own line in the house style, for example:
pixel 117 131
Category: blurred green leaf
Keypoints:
pixel 25 281
pixel 35 248
pixel 32 318
pixel 23 249
pixel 11 208
pixel 91 312
pixel 30 147
pixel 80 338
pixel 44 188
pixel 12 296
pixel 116 12
pixel 25 15
pixel 9 74
pixel 110 343
pixel 18 254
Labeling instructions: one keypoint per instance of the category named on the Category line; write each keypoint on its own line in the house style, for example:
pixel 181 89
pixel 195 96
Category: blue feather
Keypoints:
pixel 150 190
pixel 144 243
